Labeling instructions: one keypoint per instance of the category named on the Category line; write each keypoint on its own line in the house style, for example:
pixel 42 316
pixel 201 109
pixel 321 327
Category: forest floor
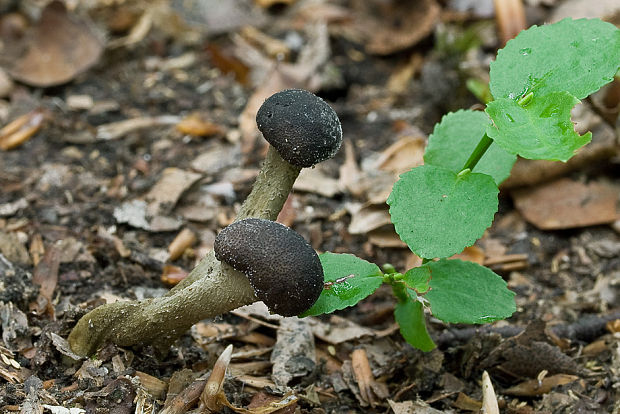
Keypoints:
pixel 148 131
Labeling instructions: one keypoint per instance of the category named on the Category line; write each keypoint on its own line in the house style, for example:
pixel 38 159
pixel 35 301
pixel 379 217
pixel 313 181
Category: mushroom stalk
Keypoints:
pixel 271 189
pixel 161 321
pixel 269 193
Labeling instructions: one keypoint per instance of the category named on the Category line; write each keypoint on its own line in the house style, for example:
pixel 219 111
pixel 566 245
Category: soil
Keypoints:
pixel 65 250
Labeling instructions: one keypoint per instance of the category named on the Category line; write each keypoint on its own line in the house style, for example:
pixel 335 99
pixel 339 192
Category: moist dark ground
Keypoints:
pixel 73 182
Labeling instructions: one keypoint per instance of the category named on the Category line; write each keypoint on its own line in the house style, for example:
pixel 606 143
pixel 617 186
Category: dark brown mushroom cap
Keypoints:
pixel 282 267
pixel 302 127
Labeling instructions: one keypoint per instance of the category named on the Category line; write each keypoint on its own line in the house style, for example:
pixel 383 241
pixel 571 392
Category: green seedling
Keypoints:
pixel 442 207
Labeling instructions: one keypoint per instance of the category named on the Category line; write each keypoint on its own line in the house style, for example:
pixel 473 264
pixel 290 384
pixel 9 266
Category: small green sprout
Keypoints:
pixel 442 207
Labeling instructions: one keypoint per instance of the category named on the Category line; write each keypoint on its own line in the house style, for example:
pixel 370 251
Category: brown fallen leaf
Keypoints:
pixel 510 15
pixel 391 26
pixel 464 402
pixel 539 387
pixel 225 61
pixel 288 214
pixel 208 333
pixel 277 76
pixel 385 238
pixel 413 407
pixel 268 3
pixel 50 54
pixel 350 174
pixel 608 10
pixel 400 79
pixel 165 193
pixel 46 276
pixel 403 155
pixel 271 46
pixel 338 330
pixel 261 403
pixel 313 180
pixel 153 385
pixel 527 354
pixel 565 204
pixel 369 218
pixel 613 326
pixel 137 34
pixel 472 254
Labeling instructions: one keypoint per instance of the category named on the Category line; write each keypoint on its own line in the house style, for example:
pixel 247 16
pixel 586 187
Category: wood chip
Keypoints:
pixel 371 391
pixel 194 124
pixel 294 352
pixel 181 242
pixel 153 385
pixel 119 129
pixel 21 129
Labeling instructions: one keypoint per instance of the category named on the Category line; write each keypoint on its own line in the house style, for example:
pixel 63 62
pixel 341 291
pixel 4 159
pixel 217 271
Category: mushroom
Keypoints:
pixel 302 127
pixel 303 130
pixel 282 267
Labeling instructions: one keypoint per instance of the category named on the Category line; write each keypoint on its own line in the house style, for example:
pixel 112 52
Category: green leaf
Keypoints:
pixel 438 213
pixel 540 130
pixel 410 318
pixel 455 138
pixel 465 292
pixel 352 280
pixel 418 279
pixel 576 56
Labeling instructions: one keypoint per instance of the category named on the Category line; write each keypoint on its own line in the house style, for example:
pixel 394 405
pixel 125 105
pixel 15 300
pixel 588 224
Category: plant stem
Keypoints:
pixel 211 289
pixel 478 152
pixel 400 291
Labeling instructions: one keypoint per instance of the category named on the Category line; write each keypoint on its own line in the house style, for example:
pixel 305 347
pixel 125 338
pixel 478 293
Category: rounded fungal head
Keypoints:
pixel 302 127
pixel 282 267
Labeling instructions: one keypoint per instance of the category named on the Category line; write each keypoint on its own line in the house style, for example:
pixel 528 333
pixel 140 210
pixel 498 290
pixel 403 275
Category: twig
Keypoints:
pixel 584 329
